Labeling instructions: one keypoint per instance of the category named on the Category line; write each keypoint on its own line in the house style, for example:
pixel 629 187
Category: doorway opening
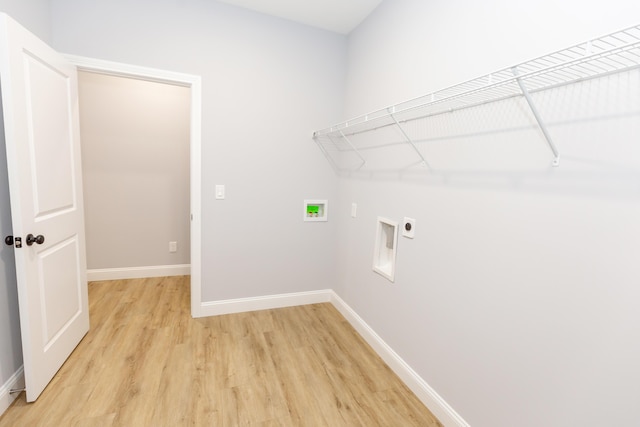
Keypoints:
pixel 172 83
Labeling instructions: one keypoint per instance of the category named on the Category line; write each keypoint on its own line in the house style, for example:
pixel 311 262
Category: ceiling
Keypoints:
pixel 340 16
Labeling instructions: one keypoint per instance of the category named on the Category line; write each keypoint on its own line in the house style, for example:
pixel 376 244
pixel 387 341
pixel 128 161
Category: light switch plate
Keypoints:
pixel 219 192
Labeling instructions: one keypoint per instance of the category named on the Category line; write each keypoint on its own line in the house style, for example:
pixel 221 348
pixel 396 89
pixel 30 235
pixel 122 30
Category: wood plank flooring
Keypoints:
pixel 146 362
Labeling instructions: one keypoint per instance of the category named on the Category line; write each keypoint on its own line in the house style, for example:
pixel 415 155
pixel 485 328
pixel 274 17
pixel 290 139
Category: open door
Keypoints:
pixel 40 106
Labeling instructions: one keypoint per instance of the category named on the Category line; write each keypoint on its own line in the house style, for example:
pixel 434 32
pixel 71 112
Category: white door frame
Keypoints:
pixel 194 83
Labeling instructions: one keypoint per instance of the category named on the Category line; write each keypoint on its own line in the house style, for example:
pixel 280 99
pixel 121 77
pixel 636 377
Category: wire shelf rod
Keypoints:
pixel 434 114
pixel 593 57
pixel 509 95
pixel 566 65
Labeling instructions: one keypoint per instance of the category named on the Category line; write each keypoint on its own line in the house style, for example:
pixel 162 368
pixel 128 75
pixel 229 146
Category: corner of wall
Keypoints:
pixel 427 395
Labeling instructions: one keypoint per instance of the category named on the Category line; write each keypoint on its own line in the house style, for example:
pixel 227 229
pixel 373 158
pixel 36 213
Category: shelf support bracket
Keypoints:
pixel 423 161
pixel 325 152
pixel 536 114
pixel 354 149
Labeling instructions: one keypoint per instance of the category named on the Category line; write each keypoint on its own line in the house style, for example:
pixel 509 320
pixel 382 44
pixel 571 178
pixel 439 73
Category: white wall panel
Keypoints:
pixel 267 83
pixel 516 300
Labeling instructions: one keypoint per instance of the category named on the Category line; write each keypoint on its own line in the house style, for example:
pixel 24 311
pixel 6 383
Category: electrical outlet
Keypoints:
pixel 173 246
pixel 409 228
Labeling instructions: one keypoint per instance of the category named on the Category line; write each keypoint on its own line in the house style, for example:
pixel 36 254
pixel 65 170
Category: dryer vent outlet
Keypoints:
pixel 384 256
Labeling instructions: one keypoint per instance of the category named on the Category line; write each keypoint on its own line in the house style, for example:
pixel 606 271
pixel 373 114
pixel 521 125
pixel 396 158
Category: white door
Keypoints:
pixel 40 107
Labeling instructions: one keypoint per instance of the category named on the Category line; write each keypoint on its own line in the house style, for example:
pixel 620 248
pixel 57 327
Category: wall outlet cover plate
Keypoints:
pixel 409 227
pixel 316 210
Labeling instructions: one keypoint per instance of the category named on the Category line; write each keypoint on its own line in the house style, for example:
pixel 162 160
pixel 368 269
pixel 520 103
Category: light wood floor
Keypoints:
pixel 146 362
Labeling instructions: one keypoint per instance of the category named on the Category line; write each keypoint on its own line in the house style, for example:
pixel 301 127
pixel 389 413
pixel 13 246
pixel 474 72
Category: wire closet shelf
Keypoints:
pixel 614 53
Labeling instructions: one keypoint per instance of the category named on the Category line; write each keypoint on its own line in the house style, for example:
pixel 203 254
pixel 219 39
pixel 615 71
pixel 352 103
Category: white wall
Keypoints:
pixel 517 299
pixel 267 84
pixel 34 15
pixel 515 302
pixel 135 162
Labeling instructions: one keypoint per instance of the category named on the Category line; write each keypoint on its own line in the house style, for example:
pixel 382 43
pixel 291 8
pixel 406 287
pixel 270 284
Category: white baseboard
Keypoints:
pixel 436 404
pixel 423 391
pixel 138 272
pixel 15 382
pixel 242 305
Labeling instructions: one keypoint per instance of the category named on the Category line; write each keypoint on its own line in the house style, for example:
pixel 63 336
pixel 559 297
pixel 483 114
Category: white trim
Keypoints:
pixel 241 305
pixel 436 404
pixel 120 69
pixel 195 83
pixel 138 272
pixel 15 382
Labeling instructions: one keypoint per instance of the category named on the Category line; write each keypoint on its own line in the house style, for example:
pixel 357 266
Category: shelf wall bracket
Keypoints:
pixel 353 147
pixel 423 162
pixel 556 156
pixel 325 152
